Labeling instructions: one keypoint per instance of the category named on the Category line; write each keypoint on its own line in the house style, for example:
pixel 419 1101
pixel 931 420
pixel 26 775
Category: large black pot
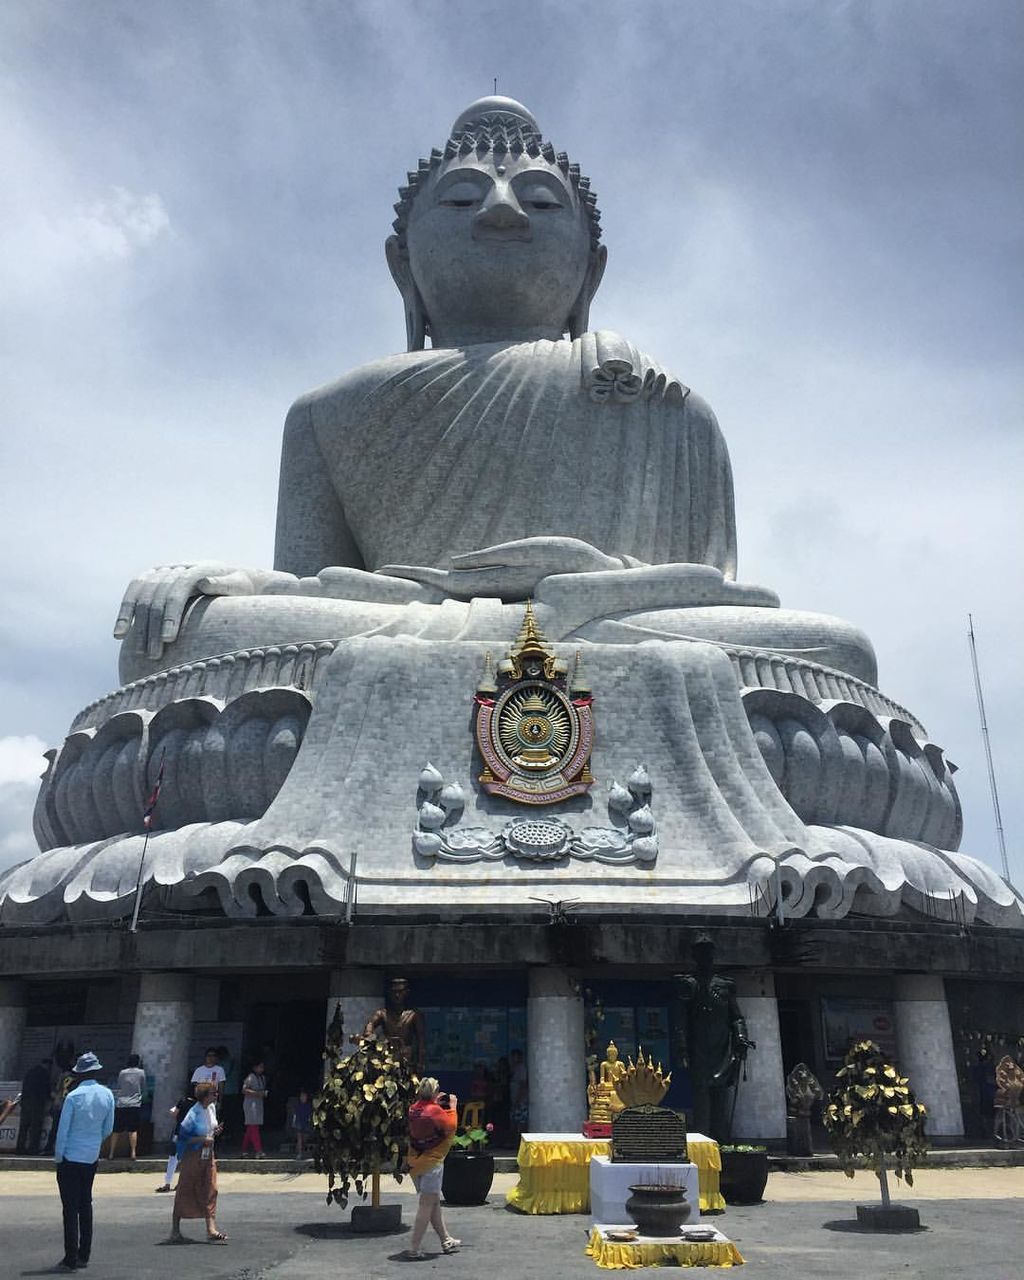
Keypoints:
pixel 467 1177
pixel 658 1211
pixel 744 1176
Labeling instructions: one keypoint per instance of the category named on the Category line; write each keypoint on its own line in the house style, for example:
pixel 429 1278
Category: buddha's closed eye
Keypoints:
pixel 463 195
pixel 540 196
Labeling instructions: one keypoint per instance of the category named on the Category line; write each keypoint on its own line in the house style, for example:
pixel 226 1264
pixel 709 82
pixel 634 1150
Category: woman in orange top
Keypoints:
pixel 433 1118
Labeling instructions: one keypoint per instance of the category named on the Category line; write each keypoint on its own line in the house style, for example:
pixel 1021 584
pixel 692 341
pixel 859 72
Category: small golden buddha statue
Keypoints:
pixel 601 1093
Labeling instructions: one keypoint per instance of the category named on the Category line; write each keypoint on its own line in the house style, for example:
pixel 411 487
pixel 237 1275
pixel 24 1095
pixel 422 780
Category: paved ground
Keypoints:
pixel 281 1229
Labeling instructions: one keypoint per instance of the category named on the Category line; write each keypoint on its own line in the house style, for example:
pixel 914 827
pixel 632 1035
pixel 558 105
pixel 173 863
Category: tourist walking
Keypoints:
pixel 254 1091
pixel 35 1096
pixel 196 1196
pixel 179 1112
pixel 433 1119
pixel 128 1094
pixel 86 1121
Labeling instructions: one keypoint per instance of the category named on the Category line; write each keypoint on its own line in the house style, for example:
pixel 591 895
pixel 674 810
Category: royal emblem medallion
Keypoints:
pixel 534 725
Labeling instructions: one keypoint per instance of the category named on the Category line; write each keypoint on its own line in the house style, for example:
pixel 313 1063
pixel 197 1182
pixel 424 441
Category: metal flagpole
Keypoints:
pixel 138 886
pixel 988 750
pixel 147 822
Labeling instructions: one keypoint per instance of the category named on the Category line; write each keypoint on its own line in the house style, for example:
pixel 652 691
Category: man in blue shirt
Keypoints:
pixel 86 1120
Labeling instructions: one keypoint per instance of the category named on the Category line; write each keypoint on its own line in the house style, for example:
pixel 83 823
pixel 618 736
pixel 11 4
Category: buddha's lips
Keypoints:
pixel 503 237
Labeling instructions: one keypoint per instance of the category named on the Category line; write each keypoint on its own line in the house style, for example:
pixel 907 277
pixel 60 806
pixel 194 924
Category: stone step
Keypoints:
pixel 938 1158
pixel 154 1166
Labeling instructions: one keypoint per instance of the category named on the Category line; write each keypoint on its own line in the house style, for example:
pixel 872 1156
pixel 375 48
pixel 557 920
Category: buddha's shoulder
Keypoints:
pixel 606 366
pixel 366 378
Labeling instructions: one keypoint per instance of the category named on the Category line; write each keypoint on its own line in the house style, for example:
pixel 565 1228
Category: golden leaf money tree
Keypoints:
pixel 873 1118
pixel 360 1127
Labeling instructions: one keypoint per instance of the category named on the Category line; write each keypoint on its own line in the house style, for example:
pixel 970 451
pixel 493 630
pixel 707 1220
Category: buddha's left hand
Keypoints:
pixel 512 570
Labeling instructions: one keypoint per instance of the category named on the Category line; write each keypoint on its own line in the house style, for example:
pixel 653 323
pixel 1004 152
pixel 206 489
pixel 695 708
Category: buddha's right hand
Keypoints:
pixel 154 604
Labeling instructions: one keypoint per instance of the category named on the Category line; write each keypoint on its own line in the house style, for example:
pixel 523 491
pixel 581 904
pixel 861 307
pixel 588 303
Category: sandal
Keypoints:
pixel 216 1237
pixel 413 1255
pixel 451 1245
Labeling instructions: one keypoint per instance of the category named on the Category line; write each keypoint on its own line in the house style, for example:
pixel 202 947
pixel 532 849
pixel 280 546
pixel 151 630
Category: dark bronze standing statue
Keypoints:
pixel 401 1025
pixel 711 1040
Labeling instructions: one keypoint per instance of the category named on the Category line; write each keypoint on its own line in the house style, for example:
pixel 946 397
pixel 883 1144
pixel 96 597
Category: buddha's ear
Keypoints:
pixel 579 317
pixel 415 314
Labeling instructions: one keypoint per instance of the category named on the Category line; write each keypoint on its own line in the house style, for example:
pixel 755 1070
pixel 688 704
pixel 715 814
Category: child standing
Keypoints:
pixel 302 1121
pixel 178 1111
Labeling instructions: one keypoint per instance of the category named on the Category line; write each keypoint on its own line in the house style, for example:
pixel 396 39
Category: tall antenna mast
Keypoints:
pixel 988 750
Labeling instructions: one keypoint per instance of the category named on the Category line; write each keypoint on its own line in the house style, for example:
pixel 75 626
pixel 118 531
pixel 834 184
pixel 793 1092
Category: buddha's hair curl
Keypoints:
pixel 496 134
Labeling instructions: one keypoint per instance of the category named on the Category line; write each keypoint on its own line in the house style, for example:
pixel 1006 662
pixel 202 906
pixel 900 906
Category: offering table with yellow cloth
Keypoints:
pixel 554 1172
pixel 649 1251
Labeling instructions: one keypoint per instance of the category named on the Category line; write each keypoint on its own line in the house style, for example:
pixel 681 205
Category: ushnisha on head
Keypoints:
pixel 497 237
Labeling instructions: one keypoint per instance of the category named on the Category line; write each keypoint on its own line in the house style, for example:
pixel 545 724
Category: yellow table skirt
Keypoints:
pixel 554 1177
pixel 613 1256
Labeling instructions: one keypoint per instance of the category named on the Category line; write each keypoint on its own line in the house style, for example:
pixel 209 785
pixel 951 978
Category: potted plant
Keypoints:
pixel 744 1173
pixel 468 1168
pixel 875 1122
pixel 360 1126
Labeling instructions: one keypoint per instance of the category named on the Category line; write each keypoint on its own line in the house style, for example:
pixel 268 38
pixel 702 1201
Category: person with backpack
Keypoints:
pixel 433 1119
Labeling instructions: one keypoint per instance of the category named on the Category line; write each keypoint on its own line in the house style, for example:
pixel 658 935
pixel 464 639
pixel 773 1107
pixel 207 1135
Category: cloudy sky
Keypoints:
pixel 814 216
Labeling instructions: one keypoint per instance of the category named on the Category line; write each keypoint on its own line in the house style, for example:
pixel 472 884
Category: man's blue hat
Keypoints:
pixel 86 1063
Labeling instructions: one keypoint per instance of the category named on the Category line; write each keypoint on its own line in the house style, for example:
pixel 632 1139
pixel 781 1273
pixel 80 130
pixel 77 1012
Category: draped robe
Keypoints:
pixel 431 454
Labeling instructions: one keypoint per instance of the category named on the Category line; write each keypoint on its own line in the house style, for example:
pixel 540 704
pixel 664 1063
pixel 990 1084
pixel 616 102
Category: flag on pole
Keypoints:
pixel 150 809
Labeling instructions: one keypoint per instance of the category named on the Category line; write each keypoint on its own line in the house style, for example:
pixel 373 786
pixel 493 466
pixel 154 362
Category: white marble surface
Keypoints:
pixel 760 1113
pixel 610 1182
pixel 556 1055
pixel 925 1042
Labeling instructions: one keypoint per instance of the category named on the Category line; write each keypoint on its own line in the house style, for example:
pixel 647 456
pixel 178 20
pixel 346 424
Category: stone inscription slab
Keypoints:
pixel 649 1135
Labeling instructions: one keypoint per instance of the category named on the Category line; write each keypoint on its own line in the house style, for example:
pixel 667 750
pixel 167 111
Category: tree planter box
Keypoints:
pixel 744 1176
pixel 467 1177
pixel 376 1219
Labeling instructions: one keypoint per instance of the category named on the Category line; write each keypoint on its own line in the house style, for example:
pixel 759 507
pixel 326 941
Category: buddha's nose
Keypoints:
pixel 502 212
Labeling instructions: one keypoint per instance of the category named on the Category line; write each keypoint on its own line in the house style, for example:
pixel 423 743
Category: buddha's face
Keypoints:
pixel 498 243
pixel 399 994
pixel 613 1053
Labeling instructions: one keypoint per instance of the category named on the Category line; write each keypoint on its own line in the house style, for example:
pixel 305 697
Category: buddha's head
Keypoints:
pixel 497 237
pixel 613 1053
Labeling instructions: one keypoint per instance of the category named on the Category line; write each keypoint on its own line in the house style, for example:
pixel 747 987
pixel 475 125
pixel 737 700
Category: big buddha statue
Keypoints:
pixel 527 524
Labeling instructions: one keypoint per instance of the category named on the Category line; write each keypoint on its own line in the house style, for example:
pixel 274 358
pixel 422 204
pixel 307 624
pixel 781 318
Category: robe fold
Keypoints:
pixel 439 453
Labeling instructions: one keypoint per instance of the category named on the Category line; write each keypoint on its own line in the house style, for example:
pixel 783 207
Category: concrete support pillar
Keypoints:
pixel 361 994
pixel 12 1024
pixel 760 1099
pixel 556 1056
pixel 161 1036
pixel 925 1043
